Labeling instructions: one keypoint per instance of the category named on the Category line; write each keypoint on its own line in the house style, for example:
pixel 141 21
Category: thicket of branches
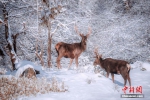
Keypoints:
pixel 124 21
pixel 46 12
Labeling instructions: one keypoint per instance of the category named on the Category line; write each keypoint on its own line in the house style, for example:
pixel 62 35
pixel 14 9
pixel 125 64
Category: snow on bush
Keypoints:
pixel 2 71
pixel 98 69
pixel 85 69
pixel 12 87
pixel 83 60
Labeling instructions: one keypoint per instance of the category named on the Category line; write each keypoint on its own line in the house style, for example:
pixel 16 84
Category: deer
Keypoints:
pixel 113 66
pixel 72 51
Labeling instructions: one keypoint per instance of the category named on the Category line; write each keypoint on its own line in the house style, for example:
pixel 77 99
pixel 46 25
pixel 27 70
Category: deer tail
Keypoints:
pixel 129 67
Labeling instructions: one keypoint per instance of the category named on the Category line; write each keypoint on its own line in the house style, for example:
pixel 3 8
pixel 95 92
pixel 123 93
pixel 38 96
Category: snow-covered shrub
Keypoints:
pixel 143 66
pixel 2 71
pixel 143 69
pixel 137 64
pixel 97 69
pixel 83 60
pixel 85 69
pixel 12 87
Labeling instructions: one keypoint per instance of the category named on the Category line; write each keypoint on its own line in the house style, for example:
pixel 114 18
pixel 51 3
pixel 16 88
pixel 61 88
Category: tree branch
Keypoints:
pixel 54 31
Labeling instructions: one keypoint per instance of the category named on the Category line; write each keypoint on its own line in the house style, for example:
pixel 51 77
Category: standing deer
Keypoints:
pixel 72 50
pixel 113 66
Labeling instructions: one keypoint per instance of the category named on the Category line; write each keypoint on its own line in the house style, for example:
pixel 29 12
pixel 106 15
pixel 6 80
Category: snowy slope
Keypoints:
pixel 86 85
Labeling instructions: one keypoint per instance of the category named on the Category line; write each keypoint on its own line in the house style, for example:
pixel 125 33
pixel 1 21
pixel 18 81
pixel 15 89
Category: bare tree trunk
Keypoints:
pixel 47 21
pixel 49 44
pixel 14 41
pixel 5 13
pixel 40 55
pixel 2 52
pixel 10 45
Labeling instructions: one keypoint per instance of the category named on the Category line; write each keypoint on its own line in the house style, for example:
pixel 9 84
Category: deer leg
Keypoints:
pixel 71 60
pixel 58 62
pixel 125 79
pixel 118 72
pixel 76 61
pixel 129 80
pixel 112 75
pixel 107 74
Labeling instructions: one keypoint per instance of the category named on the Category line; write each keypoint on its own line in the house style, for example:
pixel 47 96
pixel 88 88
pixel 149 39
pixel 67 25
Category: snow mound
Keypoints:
pixel 146 66
pixel 22 69
pixel 24 62
pixel 139 64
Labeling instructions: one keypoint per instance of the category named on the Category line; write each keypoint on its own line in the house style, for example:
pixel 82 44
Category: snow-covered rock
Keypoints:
pixel 23 65
pixel 21 69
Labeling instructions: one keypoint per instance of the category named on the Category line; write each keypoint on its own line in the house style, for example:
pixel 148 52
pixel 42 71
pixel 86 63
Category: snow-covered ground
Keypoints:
pixel 113 29
pixel 84 84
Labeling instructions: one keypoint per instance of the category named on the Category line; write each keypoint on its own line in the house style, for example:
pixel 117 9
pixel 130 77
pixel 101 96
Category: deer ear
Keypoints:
pixel 80 34
pixel 97 57
pixel 87 35
pixel 100 56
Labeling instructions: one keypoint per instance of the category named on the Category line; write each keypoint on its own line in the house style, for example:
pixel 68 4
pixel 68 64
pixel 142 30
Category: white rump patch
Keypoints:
pixel 128 66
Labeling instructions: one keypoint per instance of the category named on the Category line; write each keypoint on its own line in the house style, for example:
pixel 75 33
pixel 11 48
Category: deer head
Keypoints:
pixel 84 37
pixel 97 57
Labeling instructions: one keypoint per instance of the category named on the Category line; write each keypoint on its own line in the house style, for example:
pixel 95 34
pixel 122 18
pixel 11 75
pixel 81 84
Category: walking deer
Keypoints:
pixel 72 50
pixel 113 66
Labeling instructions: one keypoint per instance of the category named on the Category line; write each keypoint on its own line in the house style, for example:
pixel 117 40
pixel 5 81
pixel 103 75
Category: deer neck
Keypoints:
pixel 101 62
pixel 83 45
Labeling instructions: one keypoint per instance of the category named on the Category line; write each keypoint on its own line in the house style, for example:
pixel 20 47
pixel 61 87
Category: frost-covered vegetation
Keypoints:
pixel 2 71
pixel 12 87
